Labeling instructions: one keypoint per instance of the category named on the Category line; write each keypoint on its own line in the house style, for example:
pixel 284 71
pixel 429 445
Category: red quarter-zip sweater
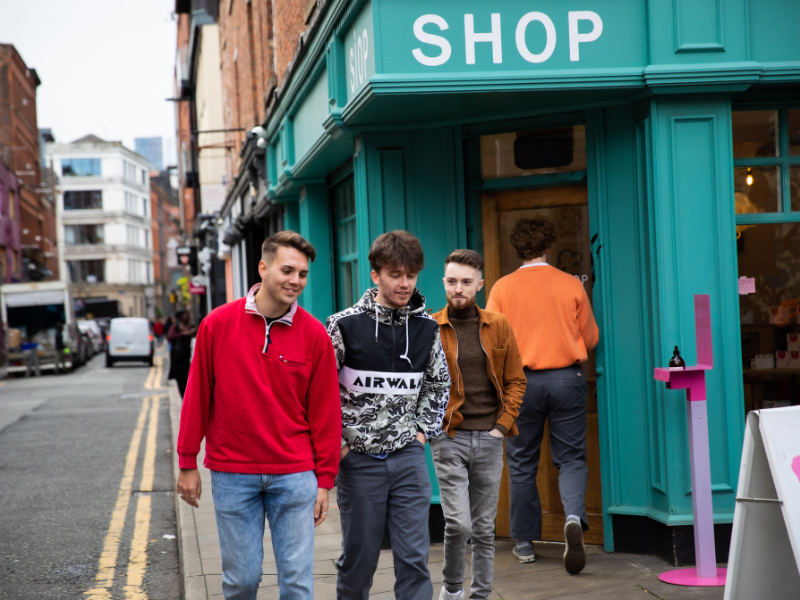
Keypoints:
pixel 266 398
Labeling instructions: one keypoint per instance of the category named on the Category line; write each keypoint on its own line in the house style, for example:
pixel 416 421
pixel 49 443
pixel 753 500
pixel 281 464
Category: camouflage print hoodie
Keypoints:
pixel 393 378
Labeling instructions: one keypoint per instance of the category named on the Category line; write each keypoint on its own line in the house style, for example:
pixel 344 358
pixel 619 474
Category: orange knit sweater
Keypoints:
pixel 550 315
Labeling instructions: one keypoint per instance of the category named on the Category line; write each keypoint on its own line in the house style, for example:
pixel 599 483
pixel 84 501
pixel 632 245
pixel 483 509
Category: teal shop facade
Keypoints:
pixel 407 114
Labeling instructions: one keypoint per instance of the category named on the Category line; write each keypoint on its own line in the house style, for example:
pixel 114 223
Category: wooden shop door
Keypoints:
pixel 567 208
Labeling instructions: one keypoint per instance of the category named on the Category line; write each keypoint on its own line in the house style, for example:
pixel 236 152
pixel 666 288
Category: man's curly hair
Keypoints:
pixel 531 238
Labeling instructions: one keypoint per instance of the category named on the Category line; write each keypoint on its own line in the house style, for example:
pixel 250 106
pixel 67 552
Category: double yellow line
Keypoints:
pixel 137 560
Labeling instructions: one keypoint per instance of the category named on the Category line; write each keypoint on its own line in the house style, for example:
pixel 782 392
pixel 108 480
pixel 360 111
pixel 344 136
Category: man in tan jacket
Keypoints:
pixel 488 383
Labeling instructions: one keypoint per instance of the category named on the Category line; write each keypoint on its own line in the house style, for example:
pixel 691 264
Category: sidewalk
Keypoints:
pixel 606 576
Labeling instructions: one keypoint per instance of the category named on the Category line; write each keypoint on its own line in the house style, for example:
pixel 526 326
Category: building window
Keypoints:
pixel 83 200
pixel 766 173
pixel 766 161
pixel 87 271
pixel 80 167
pixel 75 235
pixel 347 289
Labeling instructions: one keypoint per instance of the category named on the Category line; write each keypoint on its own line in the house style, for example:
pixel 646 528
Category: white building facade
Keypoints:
pixel 104 223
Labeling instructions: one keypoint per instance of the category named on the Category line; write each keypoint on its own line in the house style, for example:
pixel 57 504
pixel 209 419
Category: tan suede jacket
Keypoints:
pixel 503 365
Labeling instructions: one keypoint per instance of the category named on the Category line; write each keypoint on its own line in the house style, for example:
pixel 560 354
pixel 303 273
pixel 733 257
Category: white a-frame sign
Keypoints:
pixel 764 559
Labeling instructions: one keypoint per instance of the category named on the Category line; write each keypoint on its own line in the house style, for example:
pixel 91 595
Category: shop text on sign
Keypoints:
pixel 428 57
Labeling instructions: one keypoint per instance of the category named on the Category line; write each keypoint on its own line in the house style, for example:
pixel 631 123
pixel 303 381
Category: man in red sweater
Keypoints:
pixel 263 390
pixel 552 320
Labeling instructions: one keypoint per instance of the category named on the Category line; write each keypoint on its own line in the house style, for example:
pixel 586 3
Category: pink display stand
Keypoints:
pixel 693 380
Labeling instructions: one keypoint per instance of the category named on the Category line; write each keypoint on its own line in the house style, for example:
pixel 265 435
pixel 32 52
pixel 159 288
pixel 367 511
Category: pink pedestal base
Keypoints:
pixel 689 577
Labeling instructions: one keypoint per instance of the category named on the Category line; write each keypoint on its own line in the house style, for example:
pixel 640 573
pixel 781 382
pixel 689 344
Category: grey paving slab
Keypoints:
pixel 606 576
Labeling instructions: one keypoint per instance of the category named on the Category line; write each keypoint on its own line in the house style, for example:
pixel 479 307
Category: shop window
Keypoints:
pixel 766 151
pixel 80 167
pixel 86 271
pixel 75 235
pixel 757 189
pixel 523 153
pixel 770 317
pixel 344 200
pixel 83 200
pixel 755 133
pixel 794 132
pixel 766 159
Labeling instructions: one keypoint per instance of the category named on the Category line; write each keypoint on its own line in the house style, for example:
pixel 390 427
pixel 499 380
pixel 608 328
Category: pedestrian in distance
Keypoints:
pixel 158 331
pixel 552 319
pixel 180 354
pixel 488 383
pixel 263 392
pixel 394 387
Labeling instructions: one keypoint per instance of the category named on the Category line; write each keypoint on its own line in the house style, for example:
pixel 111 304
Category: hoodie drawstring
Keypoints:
pixel 404 356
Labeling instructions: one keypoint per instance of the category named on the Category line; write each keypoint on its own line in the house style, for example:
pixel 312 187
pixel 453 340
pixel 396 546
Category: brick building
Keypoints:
pixel 166 228
pixel 20 151
pixel 259 42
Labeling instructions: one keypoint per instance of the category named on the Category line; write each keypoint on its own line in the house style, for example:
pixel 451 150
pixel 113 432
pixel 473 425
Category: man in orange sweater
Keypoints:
pixel 552 320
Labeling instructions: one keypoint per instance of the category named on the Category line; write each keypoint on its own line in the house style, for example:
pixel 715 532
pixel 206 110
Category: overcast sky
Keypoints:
pixel 106 66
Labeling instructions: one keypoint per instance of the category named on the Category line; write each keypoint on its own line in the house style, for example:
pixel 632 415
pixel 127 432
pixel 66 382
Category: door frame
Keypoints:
pixel 594 178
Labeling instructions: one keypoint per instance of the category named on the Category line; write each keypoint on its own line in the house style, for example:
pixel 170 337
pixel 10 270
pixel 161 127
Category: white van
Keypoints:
pixel 129 339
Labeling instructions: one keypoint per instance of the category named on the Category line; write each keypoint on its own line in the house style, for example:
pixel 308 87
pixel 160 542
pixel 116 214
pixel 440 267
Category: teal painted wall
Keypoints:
pixel 697 31
pixel 307 122
pixel 694 251
pixel 411 183
pixel 316 226
pixel 773 30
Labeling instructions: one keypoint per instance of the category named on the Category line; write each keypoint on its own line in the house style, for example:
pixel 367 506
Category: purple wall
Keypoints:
pixel 9 230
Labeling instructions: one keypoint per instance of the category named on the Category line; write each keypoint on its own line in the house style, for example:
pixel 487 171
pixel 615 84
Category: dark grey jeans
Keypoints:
pixel 557 396
pixel 469 468
pixel 371 492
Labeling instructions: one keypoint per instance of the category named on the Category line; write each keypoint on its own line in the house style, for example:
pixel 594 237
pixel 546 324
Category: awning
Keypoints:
pixel 43 298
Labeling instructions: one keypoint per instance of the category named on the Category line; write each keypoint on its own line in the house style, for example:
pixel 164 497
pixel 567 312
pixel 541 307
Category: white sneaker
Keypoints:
pixel 445 595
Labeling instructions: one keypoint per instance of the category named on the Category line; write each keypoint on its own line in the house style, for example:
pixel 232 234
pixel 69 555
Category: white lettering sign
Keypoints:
pixel 470 38
pixel 495 37
pixel 549 29
pixel 576 38
pixel 358 60
pixel 433 40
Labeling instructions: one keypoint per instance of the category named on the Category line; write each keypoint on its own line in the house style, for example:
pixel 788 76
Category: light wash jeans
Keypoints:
pixel 469 468
pixel 241 501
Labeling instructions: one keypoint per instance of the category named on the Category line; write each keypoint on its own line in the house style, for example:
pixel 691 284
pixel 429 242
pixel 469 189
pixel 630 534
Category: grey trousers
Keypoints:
pixel 469 468
pixel 557 396
pixel 370 493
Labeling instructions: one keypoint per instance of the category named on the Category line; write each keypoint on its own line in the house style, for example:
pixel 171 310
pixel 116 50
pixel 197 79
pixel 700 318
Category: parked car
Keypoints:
pixel 93 331
pixel 129 339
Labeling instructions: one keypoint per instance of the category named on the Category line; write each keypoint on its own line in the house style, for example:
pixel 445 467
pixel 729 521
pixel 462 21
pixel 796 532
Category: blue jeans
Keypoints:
pixel 241 501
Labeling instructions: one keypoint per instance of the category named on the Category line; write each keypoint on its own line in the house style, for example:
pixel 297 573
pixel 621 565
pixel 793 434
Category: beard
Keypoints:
pixel 464 303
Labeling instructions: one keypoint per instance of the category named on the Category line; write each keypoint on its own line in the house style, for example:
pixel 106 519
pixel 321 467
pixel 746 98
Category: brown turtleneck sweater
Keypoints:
pixel 480 408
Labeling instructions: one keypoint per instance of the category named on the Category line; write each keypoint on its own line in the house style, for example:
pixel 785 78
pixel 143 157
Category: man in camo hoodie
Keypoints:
pixel 394 385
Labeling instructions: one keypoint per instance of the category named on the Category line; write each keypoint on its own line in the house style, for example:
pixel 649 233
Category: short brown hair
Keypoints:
pixel 397 249
pixel 465 257
pixel 287 239
pixel 531 238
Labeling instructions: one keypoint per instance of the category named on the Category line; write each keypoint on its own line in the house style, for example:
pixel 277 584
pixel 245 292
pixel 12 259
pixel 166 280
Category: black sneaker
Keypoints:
pixel 575 552
pixel 524 553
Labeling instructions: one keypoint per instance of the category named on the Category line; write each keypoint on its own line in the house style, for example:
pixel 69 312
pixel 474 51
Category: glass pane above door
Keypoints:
pixel 533 152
